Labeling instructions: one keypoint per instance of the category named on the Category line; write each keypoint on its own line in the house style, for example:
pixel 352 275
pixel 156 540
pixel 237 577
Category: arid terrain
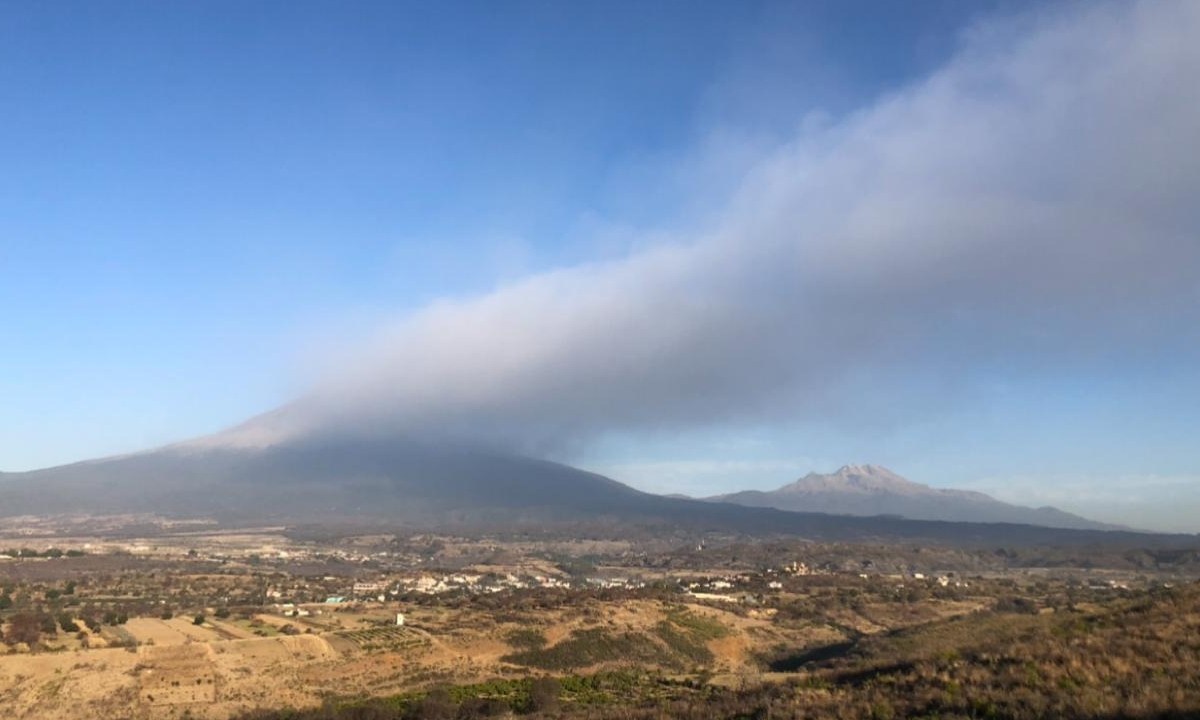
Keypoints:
pixel 184 621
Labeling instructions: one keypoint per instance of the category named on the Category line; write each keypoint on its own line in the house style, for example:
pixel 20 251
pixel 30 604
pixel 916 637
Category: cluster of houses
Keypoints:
pixel 474 583
pixel 385 589
pixel 729 588
pixel 941 580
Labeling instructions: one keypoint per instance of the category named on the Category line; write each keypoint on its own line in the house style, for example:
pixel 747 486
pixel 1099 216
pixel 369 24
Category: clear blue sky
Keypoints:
pixel 195 195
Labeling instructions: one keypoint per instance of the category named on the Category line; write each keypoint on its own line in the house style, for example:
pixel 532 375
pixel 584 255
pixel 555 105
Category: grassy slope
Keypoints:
pixel 1128 657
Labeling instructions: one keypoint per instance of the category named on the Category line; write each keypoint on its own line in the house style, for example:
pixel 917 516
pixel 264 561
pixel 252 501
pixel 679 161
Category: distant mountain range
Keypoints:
pixel 397 482
pixel 872 490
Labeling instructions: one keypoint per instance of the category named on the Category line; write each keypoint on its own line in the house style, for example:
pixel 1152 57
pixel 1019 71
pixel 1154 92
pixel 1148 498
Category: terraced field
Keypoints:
pixel 393 638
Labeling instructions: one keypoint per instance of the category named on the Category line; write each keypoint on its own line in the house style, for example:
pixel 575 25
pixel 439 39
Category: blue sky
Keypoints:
pixel 209 208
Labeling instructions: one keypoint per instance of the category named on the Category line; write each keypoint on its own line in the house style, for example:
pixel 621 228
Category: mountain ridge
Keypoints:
pixel 867 490
pixel 351 480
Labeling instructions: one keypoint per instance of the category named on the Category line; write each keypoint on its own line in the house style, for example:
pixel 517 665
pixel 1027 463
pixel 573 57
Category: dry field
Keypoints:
pixel 223 668
pixel 176 631
pixel 180 667
pixel 212 680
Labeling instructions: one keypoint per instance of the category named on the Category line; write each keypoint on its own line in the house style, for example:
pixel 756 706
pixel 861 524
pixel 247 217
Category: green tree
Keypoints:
pixel 24 628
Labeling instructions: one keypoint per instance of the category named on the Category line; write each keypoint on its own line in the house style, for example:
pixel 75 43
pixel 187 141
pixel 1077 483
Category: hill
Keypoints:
pixel 1120 657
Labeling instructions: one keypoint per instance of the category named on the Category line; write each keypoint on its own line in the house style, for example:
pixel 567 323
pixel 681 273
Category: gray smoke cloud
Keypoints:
pixel 1037 198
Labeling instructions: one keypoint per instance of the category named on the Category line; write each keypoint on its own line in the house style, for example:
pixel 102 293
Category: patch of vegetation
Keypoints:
pixel 542 697
pixel 783 659
pixel 698 627
pixel 526 639
pixel 585 648
pixel 686 634
pixel 682 643
pixel 50 553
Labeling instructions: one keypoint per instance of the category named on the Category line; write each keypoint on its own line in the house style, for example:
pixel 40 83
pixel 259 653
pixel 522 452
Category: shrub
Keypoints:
pixel 526 639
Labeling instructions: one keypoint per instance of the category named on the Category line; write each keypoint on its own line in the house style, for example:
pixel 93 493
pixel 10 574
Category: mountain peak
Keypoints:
pixel 865 489
pixel 868 470
pixel 856 478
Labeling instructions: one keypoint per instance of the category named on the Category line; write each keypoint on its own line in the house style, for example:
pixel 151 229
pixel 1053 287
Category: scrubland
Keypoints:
pixel 739 630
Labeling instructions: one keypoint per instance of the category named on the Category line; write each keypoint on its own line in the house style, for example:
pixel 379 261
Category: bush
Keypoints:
pixel 526 639
pixel 24 628
pixel 1019 605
